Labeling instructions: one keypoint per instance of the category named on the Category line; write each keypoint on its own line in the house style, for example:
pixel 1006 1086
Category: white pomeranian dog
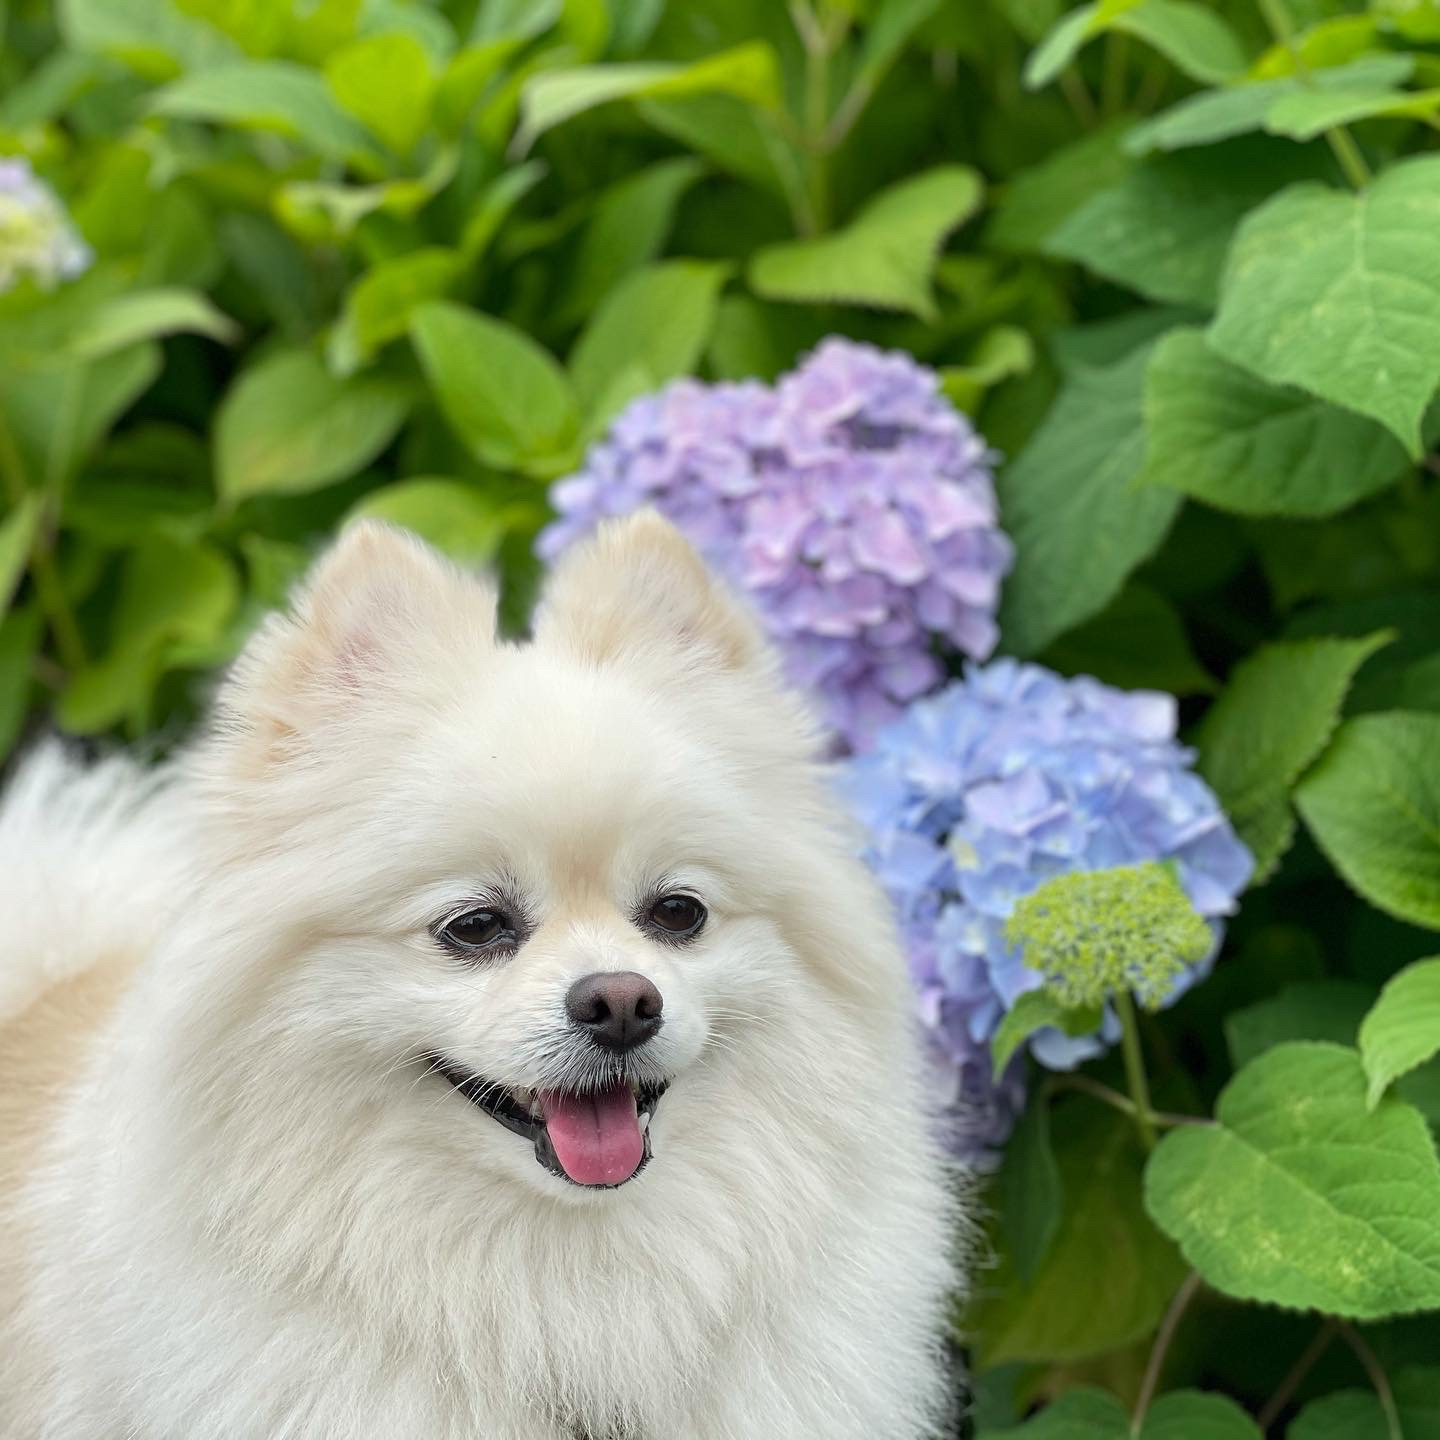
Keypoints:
pixel 466 1039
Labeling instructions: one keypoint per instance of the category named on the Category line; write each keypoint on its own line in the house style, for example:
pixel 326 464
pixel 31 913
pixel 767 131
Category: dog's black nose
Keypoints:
pixel 620 1010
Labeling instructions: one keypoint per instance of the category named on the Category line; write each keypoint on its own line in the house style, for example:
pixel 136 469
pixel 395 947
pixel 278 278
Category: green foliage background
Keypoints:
pixel 1182 262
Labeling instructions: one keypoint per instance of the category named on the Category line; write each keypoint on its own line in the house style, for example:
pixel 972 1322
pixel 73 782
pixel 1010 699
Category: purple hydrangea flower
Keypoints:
pixel 982 792
pixel 36 236
pixel 851 501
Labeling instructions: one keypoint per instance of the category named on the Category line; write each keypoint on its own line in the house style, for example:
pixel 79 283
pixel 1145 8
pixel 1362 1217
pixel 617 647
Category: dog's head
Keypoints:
pixel 507 903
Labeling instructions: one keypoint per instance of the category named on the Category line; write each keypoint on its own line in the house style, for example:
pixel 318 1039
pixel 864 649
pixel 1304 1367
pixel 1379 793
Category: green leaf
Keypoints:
pixel 17 535
pixel 1035 1010
pixel 735 136
pixel 386 83
pixel 1193 38
pixel 1373 345
pixel 749 72
pixel 504 395
pixel 1306 114
pixel 1069 503
pixel 1218 114
pixel 378 306
pixel 266 95
pixel 657 321
pixel 1038 199
pixel 1108 1275
pixel 1088 1414
pixel 1300 1196
pixel 1029 1198
pixel 19 640
pixel 288 426
pixel 1403 1029
pixel 1358 1414
pixel 1165 226
pixel 150 36
pixel 463 520
pixel 147 315
pixel 627 230
pixel 1226 437
pixel 172 594
pixel 1001 354
pixel 1373 806
pixel 1303 1010
pixel 884 256
pixel 1276 714
pixel 1138 642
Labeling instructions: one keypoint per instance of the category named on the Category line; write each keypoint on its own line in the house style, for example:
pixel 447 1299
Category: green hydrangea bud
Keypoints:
pixel 1095 933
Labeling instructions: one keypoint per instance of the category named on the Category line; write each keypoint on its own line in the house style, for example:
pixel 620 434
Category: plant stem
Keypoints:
pixel 819 37
pixel 43 570
pixel 1078 97
pixel 1168 1326
pixel 1135 1068
pixel 1296 1374
pixel 1371 1363
pixel 1113 1098
pixel 1340 140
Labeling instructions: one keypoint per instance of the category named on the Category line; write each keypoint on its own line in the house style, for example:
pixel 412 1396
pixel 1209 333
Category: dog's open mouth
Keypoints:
pixel 599 1138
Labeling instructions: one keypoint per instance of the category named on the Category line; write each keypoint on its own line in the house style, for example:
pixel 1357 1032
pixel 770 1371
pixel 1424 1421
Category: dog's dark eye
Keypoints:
pixel 679 916
pixel 479 930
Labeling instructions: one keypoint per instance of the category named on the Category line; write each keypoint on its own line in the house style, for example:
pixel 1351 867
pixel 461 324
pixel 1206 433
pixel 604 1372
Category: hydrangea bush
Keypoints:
pixel 1178 263
pixel 1006 779
pixel 851 501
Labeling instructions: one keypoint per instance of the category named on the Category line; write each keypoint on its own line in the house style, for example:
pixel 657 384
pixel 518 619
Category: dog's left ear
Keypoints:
pixel 637 590
pixel 373 610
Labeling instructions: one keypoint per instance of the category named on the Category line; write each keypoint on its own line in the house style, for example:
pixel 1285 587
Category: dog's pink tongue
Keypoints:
pixel 596 1137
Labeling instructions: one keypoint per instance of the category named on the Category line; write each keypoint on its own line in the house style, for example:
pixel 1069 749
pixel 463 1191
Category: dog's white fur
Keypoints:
pixel 234 1205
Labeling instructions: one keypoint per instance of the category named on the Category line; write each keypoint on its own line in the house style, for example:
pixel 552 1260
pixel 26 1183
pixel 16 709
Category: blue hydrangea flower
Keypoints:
pixel 982 792
pixel 851 501
pixel 36 236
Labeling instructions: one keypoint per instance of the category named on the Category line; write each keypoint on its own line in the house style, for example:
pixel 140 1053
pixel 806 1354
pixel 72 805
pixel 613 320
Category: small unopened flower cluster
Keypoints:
pixel 36 237
pixel 851 501
pixel 1093 934
pixel 1001 782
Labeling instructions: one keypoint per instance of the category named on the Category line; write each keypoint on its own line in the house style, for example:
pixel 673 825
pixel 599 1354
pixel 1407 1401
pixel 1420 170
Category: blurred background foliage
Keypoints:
pixel 409 259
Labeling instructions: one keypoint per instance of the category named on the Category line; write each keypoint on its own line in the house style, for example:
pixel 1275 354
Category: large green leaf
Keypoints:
pixel 1029 1197
pixel 126 319
pixel 1164 227
pixel 1340 294
pixel 1236 110
pixel 1191 36
pixel 1274 717
pixel 651 328
pixel 266 95
pixel 1373 805
pixel 1069 503
pixel 287 425
pixel 884 256
pixel 1301 1196
pixel 1304 1010
pixel 17 535
pixel 1403 1030
pixel 151 36
pixel 378 306
pixel 1309 113
pixel 1088 1414
pixel 1108 1273
pixel 1221 434
pixel 749 72
pixel 386 83
pixel 1358 1414
pixel 1137 642
pixel 172 594
pixel 627 230
pixel 504 395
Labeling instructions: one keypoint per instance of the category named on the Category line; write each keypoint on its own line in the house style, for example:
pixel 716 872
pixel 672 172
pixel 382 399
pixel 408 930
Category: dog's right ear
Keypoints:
pixel 358 632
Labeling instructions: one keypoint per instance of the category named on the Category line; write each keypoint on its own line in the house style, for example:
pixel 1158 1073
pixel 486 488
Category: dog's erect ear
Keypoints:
pixel 637 589
pixel 373 607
